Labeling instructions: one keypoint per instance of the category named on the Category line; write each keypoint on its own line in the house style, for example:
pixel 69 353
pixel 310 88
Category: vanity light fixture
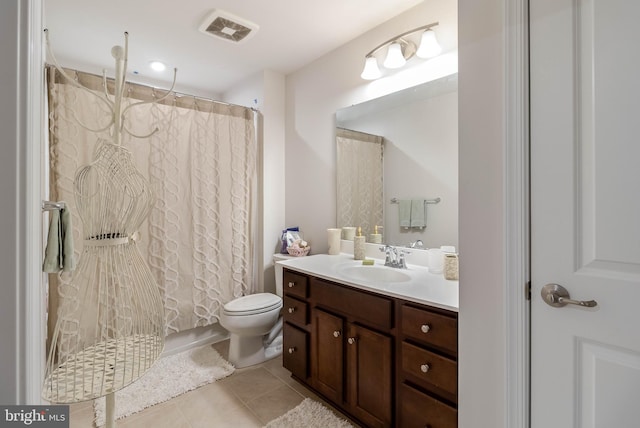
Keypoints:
pixel 400 49
pixel 429 46
pixel 395 57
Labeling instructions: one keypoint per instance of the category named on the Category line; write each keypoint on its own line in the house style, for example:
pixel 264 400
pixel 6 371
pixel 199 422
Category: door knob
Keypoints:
pixel 336 333
pixel 557 296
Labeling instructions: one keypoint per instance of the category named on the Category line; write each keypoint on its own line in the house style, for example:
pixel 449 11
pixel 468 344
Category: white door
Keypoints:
pixel 585 218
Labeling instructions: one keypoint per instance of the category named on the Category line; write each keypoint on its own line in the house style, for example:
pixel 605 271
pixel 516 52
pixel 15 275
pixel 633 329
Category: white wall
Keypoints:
pixel 332 82
pixel 482 321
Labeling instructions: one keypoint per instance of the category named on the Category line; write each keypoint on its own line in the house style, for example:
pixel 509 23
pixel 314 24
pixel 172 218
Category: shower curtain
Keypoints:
pixel 360 181
pixel 202 165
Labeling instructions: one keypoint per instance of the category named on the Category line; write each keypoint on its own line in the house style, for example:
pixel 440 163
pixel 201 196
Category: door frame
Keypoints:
pixel 31 302
pixel 517 214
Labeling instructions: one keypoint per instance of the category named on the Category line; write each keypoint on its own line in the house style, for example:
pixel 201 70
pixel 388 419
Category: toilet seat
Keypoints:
pixel 253 304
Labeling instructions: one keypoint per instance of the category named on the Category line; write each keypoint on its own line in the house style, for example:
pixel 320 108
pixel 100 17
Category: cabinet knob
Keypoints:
pixel 352 340
pixel 291 310
pixel 425 328
pixel 291 284
pixel 292 350
pixel 336 333
pixel 424 368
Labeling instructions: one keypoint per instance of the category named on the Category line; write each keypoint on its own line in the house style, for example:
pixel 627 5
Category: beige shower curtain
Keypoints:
pixel 359 180
pixel 202 166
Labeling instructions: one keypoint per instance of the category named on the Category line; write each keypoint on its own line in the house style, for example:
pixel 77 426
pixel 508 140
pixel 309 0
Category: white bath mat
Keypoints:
pixel 309 414
pixel 169 377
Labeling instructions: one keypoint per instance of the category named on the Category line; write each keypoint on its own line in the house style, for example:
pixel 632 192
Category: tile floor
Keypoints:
pixel 250 397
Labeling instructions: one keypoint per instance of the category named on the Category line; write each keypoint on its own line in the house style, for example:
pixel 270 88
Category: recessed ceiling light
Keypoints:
pixel 157 66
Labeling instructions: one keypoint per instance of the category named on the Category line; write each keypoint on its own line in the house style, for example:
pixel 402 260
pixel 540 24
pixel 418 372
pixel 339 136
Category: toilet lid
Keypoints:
pixel 253 304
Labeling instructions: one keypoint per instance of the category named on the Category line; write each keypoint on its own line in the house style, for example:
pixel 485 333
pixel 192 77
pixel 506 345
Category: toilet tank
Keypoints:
pixel 278 270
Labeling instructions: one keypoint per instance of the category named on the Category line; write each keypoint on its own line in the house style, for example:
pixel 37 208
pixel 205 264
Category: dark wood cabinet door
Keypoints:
pixel 295 351
pixel 369 375
pixel 327 354
pixel 418 410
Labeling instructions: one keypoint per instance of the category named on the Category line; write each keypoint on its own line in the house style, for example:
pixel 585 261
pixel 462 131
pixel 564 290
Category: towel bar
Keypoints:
pixel 426 201
pixel 50 206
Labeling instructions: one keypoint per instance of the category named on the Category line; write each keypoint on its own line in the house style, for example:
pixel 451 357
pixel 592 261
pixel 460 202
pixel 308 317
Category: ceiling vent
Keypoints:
pixel 228 27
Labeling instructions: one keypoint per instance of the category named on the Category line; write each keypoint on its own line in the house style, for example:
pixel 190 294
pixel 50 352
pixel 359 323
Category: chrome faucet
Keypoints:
pixel 394 257
pixel 401 261
pixel 417 244
pixel 388 255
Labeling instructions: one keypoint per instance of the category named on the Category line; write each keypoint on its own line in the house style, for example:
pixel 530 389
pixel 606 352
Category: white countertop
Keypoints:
pixel 415 284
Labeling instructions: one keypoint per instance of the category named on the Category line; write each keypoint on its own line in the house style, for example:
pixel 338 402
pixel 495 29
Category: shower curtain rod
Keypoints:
pixel 198 97
pixel 359 132
pixel 99 80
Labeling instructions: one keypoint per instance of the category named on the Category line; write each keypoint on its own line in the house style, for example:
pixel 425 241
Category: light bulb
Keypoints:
pixel 371 70
pixel 429 46
pixel 395 58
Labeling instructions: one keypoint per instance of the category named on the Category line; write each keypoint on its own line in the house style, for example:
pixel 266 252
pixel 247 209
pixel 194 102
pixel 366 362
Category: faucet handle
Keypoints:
pixel 401 263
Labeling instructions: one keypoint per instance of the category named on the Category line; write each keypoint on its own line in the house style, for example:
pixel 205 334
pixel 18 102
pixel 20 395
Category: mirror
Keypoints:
pixel 418 133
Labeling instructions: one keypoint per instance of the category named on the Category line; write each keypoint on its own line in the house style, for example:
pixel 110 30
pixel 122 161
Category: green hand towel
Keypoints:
pixel 58 254
pixel 404 213
pixel 418 213
pixel 51 262
pixel 66 255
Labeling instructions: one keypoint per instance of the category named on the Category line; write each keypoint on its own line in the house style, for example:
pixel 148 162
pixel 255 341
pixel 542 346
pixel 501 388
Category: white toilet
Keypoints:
pixel 254 324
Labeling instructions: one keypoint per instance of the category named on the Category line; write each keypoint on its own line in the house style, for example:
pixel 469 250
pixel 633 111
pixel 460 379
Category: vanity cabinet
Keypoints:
pixel 295 330
pixel 427 368
pixel 369 355
pixel 352 365
pixel 351 350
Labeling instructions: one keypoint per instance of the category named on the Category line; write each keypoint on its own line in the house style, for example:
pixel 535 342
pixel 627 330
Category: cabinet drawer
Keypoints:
pixel 295 311
pixel 430 328
pixel 367 307
pixel 295 284
pixel 420 410
pixel 295 347
pixel 430 368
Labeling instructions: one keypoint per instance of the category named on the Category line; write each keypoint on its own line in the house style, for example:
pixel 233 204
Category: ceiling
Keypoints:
pixel 291 34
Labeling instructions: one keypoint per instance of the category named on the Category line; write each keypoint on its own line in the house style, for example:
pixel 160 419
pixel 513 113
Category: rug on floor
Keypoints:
pixel 169 377
pixel 309 414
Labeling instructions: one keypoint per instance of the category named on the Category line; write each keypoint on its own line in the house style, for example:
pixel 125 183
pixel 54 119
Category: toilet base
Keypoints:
pixel 274 349
pixel 245 351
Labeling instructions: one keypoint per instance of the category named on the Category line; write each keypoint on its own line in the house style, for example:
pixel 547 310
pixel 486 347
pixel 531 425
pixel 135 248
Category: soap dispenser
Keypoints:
pixel 358 245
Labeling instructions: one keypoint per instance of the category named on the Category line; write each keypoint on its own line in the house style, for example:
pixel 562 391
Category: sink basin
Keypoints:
pixel 375 274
